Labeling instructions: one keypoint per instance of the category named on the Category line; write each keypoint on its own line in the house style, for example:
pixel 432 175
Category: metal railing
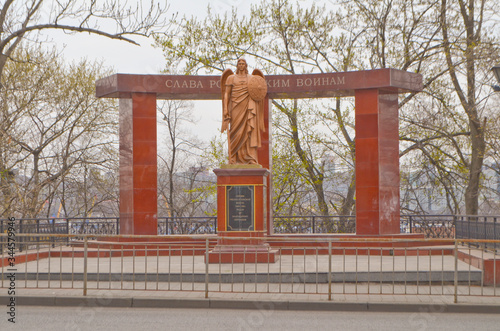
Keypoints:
pixel 479 227
pixel 323 267
pixel 432 226
pixel 187 225
pixel 314 224
pixel 74 226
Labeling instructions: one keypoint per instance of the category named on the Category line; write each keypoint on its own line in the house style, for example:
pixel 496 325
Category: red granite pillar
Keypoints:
pixel 138 167
pixel 377 163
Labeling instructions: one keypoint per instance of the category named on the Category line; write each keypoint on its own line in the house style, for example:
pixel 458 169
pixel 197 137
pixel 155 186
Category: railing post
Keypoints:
pixel 455 277
pixel 455 226
pixel 117 226
pixel 410 221
pixel 53 231
pixel 67 232
pixel 468 227
pixel 206 268
pixel 477 235
pixel 85 246
pixel 495 233
pixel 313 224
pixel 38 232
pixel 329 270
pixel 21 231
pixel 485 235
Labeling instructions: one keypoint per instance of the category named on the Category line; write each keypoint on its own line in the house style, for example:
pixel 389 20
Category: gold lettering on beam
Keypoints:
pixel 214 83
pixel 340 80
pixel 272 83
pixel 185 84
pixel 195 84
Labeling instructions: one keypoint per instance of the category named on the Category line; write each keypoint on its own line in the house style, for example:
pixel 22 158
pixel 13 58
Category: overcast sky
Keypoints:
pixel 128 58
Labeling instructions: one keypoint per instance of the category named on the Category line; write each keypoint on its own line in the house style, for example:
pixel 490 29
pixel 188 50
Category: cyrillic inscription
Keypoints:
pixel 240 208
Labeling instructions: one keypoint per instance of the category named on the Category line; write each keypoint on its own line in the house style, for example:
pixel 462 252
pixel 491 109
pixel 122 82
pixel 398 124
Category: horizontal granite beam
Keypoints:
pixel 325 85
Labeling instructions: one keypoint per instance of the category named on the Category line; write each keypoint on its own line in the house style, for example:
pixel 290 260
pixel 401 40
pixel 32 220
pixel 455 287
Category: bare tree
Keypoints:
pixel 182 174
pixel 465 54
pixel 55 125
pixel 44 118
pixel 21 20
pixel 443 129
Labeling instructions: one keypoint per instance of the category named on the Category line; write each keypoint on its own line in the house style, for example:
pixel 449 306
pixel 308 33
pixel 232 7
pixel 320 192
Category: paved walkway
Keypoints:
pixel 374 283
pixel 285 263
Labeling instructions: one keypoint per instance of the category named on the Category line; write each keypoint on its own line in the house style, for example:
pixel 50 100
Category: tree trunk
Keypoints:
pixel 467 99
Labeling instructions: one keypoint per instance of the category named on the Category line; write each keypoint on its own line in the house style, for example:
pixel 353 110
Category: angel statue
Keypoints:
pixel 243 112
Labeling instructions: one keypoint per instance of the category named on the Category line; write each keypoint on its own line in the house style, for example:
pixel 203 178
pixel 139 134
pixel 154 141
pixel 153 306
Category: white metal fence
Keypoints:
pixel 327 266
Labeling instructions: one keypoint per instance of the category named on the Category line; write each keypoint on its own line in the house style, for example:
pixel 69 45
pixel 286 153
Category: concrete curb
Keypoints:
pixel 411 277
pixel 94 301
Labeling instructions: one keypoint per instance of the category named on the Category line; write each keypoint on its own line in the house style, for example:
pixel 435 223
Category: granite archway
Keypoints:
pixel 377 136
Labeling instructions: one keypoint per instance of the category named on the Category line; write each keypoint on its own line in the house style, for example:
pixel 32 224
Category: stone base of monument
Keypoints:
pixel 242 216
pixel 243 254
pixel 242 247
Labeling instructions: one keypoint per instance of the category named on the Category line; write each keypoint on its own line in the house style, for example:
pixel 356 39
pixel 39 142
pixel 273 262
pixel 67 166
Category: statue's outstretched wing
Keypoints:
pixel 225 110
pixel 258 73
pixel 228 72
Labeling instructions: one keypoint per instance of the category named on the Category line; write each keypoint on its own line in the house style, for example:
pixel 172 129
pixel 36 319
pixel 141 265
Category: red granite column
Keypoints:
pixel 265 159
pixel 138 167
pixel 377 163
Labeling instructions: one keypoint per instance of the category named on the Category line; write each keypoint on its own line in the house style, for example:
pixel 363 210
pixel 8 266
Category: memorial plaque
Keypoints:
pixel 240 208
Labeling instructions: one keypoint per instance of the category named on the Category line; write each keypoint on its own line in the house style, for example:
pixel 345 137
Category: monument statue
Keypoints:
pixel 243 112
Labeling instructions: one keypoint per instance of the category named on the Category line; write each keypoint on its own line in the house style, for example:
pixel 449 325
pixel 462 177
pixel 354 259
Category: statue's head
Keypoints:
pixel 242 65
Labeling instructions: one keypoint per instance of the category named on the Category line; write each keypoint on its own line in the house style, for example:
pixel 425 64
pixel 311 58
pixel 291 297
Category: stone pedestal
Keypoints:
pixel 242 216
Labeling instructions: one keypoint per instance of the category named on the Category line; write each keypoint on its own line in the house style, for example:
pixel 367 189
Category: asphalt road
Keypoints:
pixel 80 318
